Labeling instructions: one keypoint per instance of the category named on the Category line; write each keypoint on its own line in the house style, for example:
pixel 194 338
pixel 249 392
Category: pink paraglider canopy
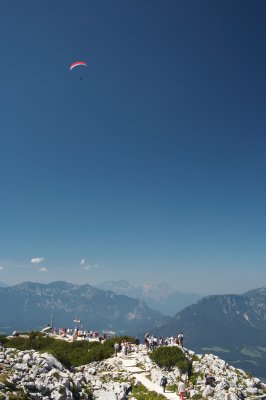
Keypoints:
pixel 76 64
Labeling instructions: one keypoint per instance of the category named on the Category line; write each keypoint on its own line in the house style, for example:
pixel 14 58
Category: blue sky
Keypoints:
pixel 152 167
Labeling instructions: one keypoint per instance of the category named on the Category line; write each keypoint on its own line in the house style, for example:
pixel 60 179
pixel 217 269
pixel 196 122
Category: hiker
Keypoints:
pixel 191 392
pixel 116 347
pixel 146 340
pixel 150 343
pixel 167 341
pixel 163 382
pixel 181 388
pixel 137 342
pixel 127 388
pixel 181 339
pixel 124 348
pixel 129 347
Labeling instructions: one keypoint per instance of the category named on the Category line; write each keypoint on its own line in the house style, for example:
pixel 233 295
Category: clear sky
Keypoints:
pixel 150 168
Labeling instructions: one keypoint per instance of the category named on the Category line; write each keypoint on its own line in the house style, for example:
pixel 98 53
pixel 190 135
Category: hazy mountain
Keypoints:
pixel 233 326
pixel 2 284
pixel 30 305
pixel 160 296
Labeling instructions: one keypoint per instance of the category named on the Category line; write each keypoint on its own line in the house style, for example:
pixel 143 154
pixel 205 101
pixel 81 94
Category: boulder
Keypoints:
pixel 53 362
pixel 208 391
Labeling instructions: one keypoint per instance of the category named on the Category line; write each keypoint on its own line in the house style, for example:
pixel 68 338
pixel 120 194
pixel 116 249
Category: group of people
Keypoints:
pixel 76 333
pixel 181 387
pixel 152 342
pixel 126 347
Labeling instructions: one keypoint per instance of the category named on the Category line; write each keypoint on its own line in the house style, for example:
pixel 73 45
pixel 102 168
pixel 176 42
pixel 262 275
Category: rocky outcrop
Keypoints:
pixel 232 326
pixel 36 376
pixel 230 383
pixel 31 375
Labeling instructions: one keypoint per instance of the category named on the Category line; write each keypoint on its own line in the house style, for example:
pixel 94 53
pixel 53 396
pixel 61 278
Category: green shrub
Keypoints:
pixel 194 377
pixel 169 357
pixel 195 358
pixel 69 354
pixel 19 395
pixel 3 340
pixel 140 392
pixel 34 341
pixel 89 392
pixel 171 388
pixel 9 385
pixel 197 396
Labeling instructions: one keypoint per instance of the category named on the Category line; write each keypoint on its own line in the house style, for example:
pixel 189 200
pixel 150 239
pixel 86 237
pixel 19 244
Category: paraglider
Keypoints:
pixel 78 64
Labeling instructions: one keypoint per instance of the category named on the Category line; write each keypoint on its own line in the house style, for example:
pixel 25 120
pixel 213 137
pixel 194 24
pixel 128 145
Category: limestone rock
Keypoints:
pixel 42 377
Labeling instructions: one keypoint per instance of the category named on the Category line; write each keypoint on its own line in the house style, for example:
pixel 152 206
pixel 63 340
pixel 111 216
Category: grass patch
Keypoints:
pixel 139 392
pixel 4 376
pixel 171 388
pixel 3 340
pixel 56 375
pixel 9 385
pixel 19 395
pixel 195 358
pixel 197 396
pixel 193 379
pixel 89 392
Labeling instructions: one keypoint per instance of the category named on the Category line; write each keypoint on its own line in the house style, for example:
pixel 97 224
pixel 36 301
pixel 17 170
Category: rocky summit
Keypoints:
pixel 31 375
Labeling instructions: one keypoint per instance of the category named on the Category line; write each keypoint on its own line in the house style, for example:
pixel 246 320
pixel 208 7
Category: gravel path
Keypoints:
pixel 130 364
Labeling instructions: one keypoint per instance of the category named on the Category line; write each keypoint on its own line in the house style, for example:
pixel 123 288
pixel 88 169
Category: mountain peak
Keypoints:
pixel 122 284
pixel 256 292
pixel 159 296
pixel 29 306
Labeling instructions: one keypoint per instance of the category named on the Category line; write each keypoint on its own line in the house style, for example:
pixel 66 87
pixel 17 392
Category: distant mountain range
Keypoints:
pixel 160 296
pixel 29 306
pixel 232 326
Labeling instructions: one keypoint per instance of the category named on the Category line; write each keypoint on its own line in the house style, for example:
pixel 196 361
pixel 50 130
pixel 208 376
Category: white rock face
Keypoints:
pixel 52 361
pixel 42 377
pixel 208 391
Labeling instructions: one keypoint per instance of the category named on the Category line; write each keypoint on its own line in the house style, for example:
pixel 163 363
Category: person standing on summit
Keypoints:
pixel 137 343
pixel 116 347
pixel 181 339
